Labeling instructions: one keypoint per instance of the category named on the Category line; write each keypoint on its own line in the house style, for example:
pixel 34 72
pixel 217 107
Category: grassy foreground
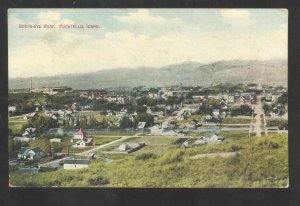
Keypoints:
pixel 262 162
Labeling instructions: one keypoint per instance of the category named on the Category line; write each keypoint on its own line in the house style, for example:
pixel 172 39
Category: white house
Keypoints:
pixel 155 130
pixel 141 125
pixel 29 132
pixel 55 140
pixel 124 147
pixel 76 164
pixel 26 153
pixel 216 112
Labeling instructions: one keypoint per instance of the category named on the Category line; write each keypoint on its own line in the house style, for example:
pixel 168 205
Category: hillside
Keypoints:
pixel 187 73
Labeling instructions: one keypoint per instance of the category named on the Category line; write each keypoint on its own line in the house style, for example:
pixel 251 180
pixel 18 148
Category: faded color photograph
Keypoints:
pixel 148 98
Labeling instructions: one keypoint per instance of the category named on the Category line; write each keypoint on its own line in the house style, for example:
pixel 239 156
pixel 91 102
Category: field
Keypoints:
pixel 236 134
pixel 16 126
pixel 113 133
pixel 103 140
pixel 276 122
pixel 236 121
pixel 262 162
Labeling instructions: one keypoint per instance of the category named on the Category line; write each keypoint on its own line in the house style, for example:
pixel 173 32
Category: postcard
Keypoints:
pixel 148 98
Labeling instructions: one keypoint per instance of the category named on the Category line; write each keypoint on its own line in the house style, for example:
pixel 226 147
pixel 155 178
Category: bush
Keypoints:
pixel 234 160
pixel 172 157
pixel 145 156
pixel 234 148
pixel 98 181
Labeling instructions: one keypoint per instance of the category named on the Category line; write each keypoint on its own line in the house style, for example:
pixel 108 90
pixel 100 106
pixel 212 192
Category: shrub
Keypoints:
pixel 145 156
pixel 234 160
pixel 98 180
pixel 234 148
pixel 172 157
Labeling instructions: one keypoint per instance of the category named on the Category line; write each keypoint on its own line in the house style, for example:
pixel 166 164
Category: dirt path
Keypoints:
pixel 258 110
pixel 218 154
pixel 86 153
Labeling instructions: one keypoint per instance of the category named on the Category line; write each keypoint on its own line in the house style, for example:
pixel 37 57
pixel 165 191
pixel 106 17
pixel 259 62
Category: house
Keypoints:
pixel 81 140
pixel 216 112
pixel 156 130
pixel 31 154
pixel 76 164
pixel 23 139
pixel 282 129
pixel 208 117
pixel 30 115
pixel 245 99
pixel 230 98
pixel 141 125
pixel 153 95
pixel 214 139
pixel 124 147
pixel 55 140
pixel 29 132
pixel 79 135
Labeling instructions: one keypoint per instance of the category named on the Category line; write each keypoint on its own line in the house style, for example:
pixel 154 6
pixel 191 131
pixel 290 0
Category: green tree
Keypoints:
pixel 143 117
pixel 125 122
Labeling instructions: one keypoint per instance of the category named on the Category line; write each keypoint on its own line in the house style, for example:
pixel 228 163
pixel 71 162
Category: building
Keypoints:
pixel 76 164
pixel 79 135
pixel 124 147
pixel 30 115
pixel 245 99
pixel 81 140
pixel 29 132
pixel 282 129
pixel 216 112
pixel 31 154
pixel 55 140
pixel 141 125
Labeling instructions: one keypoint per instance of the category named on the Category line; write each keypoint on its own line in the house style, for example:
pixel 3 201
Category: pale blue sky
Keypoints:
pixel 141 37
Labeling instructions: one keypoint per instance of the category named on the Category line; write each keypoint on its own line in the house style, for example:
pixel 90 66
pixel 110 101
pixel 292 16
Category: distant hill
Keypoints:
pixel 187 73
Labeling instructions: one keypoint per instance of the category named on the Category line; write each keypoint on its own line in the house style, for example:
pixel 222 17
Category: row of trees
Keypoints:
pixel 242 110
pixel 126 122
pixel 41 123
pixel 85 122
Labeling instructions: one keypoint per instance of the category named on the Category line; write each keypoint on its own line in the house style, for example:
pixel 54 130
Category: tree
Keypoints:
pixel 46 145
pixel 125 122
pixel 143 117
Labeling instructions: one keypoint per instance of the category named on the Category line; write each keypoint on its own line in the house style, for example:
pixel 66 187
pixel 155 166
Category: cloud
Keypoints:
pixel 143 16
pixel 77 54
pixel 64 51
pixel 52 17
pixel 237 17
pixel 49 16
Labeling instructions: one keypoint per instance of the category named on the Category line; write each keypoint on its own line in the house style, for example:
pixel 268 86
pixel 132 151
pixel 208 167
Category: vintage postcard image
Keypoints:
pixel 161 98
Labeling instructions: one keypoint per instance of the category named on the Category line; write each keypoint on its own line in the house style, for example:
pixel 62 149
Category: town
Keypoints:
pixel 58 129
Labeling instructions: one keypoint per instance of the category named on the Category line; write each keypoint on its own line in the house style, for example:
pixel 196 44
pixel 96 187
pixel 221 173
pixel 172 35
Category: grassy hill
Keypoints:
pixel 262 162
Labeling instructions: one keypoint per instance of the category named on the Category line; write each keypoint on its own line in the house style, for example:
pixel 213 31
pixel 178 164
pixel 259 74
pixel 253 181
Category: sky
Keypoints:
pixel 132 38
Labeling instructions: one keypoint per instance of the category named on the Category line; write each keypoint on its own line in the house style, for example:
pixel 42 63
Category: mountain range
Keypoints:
pixel 272 72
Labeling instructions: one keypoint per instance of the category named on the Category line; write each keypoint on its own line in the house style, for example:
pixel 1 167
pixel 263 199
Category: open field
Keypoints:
pixel 236 121
pixel 16 126
pixel 276 122
pixel 103 140
pixel 236 134
pixel 113 133
pixel 100 118
pixel 263 162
